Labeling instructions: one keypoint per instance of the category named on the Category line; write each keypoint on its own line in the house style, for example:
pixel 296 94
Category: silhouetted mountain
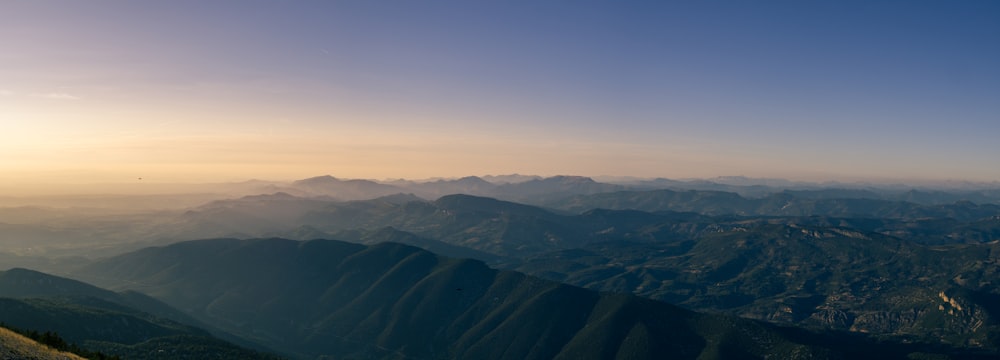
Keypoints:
pixel 330 298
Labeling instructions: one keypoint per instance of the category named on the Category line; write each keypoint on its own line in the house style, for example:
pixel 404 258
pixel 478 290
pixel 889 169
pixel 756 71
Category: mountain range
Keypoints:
pixel 329 298
pixel 770 269
pixel 881 276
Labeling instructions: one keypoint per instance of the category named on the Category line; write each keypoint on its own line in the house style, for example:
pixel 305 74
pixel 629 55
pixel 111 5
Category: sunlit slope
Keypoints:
pixel 17 346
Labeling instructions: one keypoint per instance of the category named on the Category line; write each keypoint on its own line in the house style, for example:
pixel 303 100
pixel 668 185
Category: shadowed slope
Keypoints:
pixel 125 324
pixel 389 300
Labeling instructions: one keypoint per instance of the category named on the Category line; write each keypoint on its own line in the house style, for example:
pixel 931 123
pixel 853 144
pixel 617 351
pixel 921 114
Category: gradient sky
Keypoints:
pixel 191 91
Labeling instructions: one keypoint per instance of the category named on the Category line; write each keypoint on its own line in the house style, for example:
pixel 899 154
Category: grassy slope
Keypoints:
pixel 16 346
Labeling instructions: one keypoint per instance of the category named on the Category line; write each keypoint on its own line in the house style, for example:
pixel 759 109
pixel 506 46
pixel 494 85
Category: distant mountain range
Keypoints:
pixel 538 190
pixel 527 188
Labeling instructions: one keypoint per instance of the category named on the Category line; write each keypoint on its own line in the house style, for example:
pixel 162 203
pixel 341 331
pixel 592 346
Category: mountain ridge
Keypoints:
pixel 385 299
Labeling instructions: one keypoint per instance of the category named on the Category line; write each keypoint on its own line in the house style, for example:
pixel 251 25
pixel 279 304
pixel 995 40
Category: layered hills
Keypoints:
pixel 874 275
pixel 886 264
pixel 337 299
pixel 93 226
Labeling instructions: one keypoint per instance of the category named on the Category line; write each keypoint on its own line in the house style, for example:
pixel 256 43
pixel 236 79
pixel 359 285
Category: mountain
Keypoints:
pixel 124 324
pixel 349 189
pixel 439 188
pixel 551 188
pixel 390 234
pixel 24 283
pixel 243 217
pixel 510 179
pixel 483 224
pixel 330 298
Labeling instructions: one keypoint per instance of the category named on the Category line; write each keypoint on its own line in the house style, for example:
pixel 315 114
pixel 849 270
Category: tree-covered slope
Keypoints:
pixel 343 300
pixel 128 324
pixel 827 277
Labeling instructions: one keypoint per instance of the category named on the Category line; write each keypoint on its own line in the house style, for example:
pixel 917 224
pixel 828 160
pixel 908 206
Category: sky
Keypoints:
pixel 203 91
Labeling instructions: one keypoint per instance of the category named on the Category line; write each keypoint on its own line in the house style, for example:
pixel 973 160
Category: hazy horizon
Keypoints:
pixel 154 187
pixel 107 92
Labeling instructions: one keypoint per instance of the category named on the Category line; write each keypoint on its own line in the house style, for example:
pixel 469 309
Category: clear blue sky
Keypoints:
pixel 223 90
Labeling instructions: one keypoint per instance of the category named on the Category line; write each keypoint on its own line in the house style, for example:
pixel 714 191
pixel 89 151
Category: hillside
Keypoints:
pixel 330 298
pixel 823 277
pixel 112 323
pixel 17 346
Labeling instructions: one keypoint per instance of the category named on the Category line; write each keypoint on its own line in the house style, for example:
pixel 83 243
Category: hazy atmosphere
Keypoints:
pixel 203 91
pixel 488 180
